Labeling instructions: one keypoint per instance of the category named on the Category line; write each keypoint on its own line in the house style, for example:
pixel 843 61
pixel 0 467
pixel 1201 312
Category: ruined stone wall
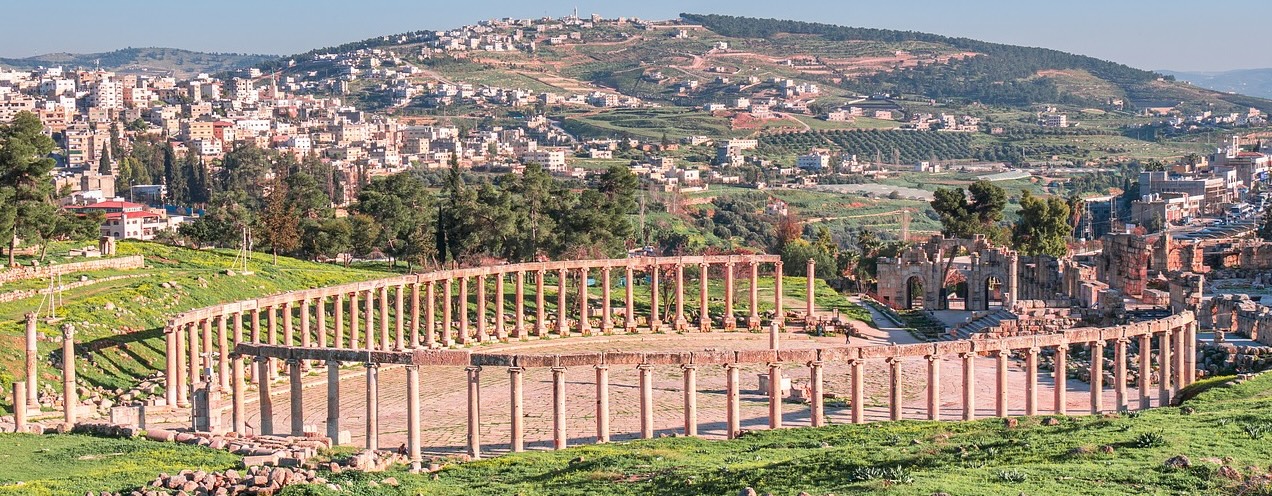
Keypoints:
pixel 1124 263
pixel 1042 277
pixel 23 273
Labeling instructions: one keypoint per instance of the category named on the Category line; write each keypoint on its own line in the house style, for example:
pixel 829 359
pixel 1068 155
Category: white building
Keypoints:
pixel 813 161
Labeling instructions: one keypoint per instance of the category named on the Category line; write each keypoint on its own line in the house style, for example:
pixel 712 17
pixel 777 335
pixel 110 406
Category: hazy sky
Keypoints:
pixel 1161 34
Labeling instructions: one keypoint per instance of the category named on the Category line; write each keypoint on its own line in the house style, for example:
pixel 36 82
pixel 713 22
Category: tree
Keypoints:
pixel 326 238
pixel 1265 226
pixel 401 205
pixel 24 173
pixel 963 219
pixel 1043 226
pixel 103 164
pixel 280 226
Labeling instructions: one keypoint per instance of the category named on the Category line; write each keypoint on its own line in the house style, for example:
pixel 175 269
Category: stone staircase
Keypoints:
pixel 979 324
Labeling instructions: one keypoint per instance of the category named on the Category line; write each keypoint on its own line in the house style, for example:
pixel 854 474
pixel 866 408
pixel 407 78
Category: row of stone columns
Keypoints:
pixel 1167 342
pixel 194 349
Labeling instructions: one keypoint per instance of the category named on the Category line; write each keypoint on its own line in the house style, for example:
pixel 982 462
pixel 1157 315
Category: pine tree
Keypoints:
pixel 103 164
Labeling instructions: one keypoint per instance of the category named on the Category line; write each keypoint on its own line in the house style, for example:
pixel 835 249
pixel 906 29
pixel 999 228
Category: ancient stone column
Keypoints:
pixel 540 303
pixel 32 359
pixel 602 404
pixel 297 398
pixel 481 308
pixel 691 398
pixel 1000 394
pixel 289 334
pixel 1119 373
pixel 775 341
pixel 517 417
pixel 1061 378
pixel 585 327
pixel 1164 387
pixel 1146 369
pixel 256 338
pixel 179 338
pixel 934 387
pixel 448 303
pixel 474 412
pixel 704 301
pixel 373 406
pixel 680 321
pixel 195 356
pixel 354 329
pixel 1031 381
pixel 238 384
pixel 1181 352
pixel 730 322
pixel 969 385
pixel 778 314
pixel 415 315
pixel 501 333
pixel 607 306
pixel 384 319
pixel 169 373
pixel 399 319
pixel 775 395
pixel 817 402
pixel 413 413
pixel 265 402
pixel 629 318
pixel 563 329
pixel 1190 356
pixel 368 313
pixel 810 308
pixel 337 309
pixel 19 407
pixel 733 413
pixel 207 348
pixel 894 387
pixel 305 330
pixel 223 352
pixel 646 400
pixel 1097 377
pixel 559 439
pixel 655 323
pixel 333 401
pixel 430 314
pixel 858 391
pixel 70 396
pixel 753 322
pixel 519 327
pixel 320 314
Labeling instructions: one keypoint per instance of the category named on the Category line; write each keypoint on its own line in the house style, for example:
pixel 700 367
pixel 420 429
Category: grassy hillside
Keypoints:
pixel 158 61
pixel 1113 455
pixel 119 322
pixel 1220 431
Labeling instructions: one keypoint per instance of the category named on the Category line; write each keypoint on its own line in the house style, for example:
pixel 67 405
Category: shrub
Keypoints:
pixel 1149 440
pixel 1012 476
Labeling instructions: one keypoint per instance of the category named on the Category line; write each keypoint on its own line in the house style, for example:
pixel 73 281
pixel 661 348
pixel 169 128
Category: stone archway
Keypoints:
pixel 915 293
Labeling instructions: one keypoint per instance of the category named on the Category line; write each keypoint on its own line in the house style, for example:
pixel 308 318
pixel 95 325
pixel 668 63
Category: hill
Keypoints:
pixel 1253 82
pixel 156 61
pixel 1220 432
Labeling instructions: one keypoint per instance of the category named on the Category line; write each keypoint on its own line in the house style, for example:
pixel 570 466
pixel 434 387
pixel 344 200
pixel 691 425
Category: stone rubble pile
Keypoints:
pixel 255 481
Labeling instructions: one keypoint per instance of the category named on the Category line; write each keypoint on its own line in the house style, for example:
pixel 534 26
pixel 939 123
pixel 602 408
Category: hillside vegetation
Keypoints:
pixel 157 61
pixel 1220 432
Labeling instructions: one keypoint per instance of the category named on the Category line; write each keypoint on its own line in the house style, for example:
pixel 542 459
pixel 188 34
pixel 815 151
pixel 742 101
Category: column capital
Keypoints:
pixel 516 370
pixel 1098 342
pixel 774 365
pixel 1033 350
pixel 1122 340
pixel 558 370
pixel 814 363
pixel 932 358
pixel 601 367
pixel 730 366
pixel 688 366
pixel 293 361
pixel 892 360
pixel 968 355
pixel 412 366
pixel 472 368
pixel 371 365
pixel 644 366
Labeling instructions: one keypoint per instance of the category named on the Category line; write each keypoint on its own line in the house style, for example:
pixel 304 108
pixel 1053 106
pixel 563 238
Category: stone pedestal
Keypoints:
pixel 206 412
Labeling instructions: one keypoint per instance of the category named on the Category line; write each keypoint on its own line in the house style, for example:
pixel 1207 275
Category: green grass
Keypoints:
pixel 963 458
pixel 32 465
pixel 119 323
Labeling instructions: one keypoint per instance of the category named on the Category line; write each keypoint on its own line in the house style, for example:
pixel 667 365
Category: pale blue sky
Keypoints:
pixel 1163 34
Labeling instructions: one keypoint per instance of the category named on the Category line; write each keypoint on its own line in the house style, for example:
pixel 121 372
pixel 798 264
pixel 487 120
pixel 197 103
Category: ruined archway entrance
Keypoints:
pixel 993 293
pixel 914 293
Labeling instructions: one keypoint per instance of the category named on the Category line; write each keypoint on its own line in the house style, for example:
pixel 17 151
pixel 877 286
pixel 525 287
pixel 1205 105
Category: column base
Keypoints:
pixel 682 324
pixel 730 323
pixel 753 323
pixel 655 326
